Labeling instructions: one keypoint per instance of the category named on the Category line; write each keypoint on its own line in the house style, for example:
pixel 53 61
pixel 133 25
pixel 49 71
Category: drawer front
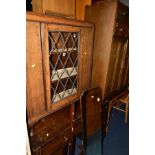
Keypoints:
pixel 47 128
pixel 57 145
pixel 121 29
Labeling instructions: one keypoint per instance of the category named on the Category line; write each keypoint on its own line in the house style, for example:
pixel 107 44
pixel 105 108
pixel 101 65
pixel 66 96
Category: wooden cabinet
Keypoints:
pixel 59 59
pixel 111 45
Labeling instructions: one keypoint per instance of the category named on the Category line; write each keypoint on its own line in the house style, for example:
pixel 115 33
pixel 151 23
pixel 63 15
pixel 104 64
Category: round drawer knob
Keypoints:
pixel 47 134
pixel 33 65
pixel 31 133
pixel 92 96
pixel 65 138
pixel 98 99
pixel 124 13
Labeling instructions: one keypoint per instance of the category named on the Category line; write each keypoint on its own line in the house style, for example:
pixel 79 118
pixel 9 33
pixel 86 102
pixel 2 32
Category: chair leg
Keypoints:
pixel 109 112
pixel 126 112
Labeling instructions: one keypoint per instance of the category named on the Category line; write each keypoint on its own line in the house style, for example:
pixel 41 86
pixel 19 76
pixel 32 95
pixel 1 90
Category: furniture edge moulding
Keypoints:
pixel 30 16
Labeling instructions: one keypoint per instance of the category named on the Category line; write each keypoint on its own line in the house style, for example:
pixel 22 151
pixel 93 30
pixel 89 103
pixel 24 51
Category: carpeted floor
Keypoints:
pixel 116 141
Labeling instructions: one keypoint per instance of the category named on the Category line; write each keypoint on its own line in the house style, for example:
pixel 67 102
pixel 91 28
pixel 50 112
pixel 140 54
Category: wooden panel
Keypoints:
pixel 112 66
pixel 125 78
pixel 122 13
pixel 85 61
pixel 80 8
pixel 57 146
pixel 94 114
pixel 122 45
pixel 124 64
pixel 122 29
pixel 34 76
pixel 103 15
pixel 61 150
pixel 91 102
pixel 51 19
pixel 66 7
pixel 60 7
pixel 111 20
pixel 37 6
pixel 77 118
pixel 116 65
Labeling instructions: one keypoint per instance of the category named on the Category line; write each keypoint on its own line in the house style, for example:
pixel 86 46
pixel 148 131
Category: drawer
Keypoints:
pixel 50 126
pixel 121 29
pixel 57 144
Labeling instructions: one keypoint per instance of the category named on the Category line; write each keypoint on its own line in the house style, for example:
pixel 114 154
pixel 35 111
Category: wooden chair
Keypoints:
pixel 117 101
pixel 93 123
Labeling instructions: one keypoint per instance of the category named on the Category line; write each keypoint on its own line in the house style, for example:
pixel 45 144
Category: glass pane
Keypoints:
pixel 63 56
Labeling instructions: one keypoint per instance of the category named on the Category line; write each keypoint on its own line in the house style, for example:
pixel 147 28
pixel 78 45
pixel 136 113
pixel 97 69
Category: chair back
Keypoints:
pixel 92 120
